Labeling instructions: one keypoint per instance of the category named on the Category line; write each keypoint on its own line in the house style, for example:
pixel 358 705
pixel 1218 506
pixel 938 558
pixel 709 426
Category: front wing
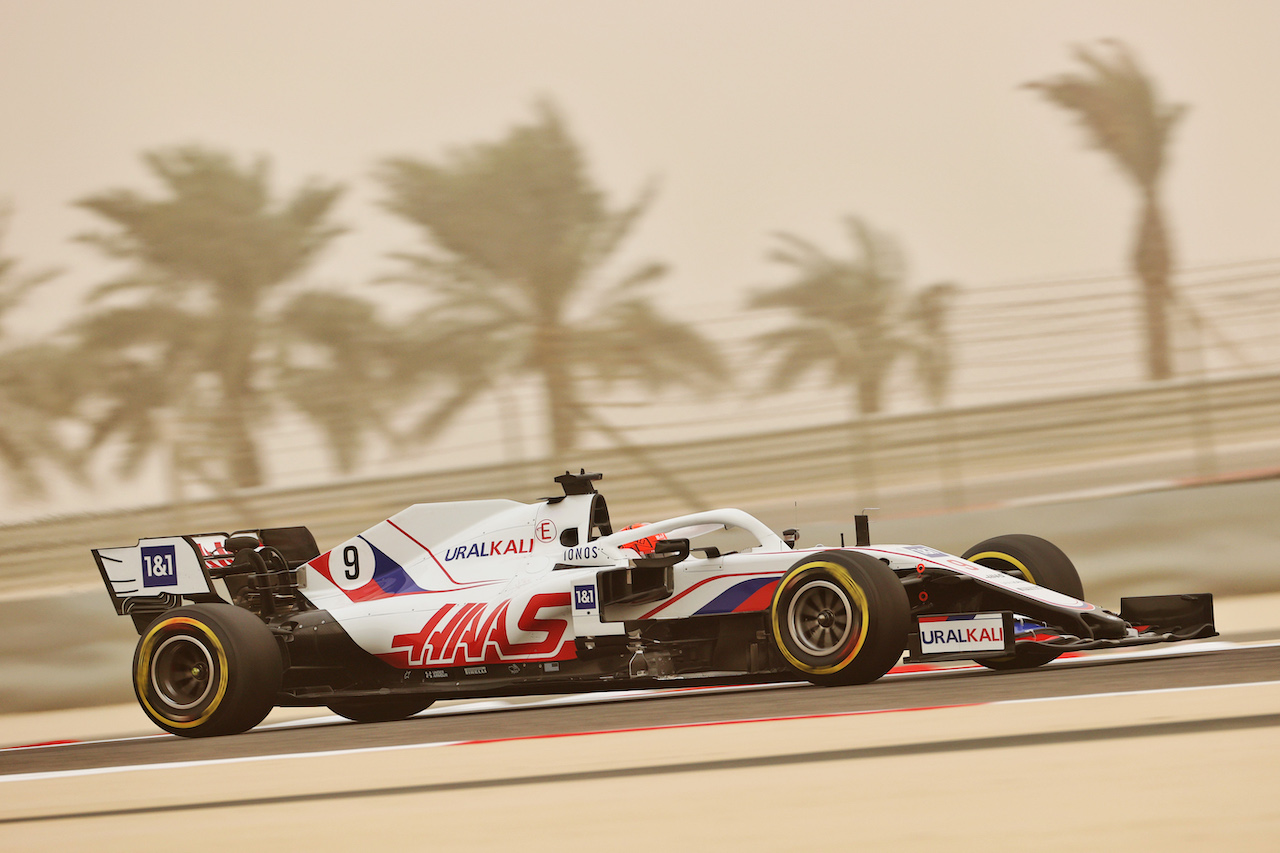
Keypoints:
pixel 977 636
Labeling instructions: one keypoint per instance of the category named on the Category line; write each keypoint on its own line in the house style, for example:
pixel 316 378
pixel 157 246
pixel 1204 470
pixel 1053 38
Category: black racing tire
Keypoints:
pixel 379 709
pixel 840 617
pixel 207 669
pixel 1038 561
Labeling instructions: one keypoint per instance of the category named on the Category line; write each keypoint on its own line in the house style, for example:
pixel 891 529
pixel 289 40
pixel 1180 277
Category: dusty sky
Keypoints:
pixel 753 117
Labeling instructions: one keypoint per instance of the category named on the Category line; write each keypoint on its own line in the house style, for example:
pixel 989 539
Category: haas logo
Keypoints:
pixel 459 634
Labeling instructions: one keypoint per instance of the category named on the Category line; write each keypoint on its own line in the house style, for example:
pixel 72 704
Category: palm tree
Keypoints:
pixel 191 345
pixel 929 340
pixel 518 238
pixel 35 388
pixel 1118 106
pixel 852 319
pixel 930 345
pixel 848 318
pixel 335 363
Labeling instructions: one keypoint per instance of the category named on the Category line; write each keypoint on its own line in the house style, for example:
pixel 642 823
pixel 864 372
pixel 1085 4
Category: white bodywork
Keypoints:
pixel 479 584
pixel 489 583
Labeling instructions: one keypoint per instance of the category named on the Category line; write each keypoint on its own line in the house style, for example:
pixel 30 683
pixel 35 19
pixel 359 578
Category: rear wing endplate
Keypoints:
pixel 157 574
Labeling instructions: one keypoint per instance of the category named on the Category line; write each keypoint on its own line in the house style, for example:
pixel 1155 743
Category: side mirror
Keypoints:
pixel 667 552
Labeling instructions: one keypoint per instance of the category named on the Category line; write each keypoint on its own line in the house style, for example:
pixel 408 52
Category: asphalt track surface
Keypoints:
pixel 1182 667
pixel 1167 747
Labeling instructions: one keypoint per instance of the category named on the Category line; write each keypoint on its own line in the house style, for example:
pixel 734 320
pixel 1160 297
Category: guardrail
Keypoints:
pixel 927 461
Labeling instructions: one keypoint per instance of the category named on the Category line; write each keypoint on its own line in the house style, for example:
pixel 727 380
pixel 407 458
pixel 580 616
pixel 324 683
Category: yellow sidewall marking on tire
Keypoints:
pixel 1026 573
pixel 859 601
pixel 142 674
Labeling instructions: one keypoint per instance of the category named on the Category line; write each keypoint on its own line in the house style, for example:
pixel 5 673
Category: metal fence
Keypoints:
pixel 926 462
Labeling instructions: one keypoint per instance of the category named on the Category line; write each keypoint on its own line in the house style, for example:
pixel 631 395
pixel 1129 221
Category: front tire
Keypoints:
pixel 1032 559
pixel 840 617
pixel 207 669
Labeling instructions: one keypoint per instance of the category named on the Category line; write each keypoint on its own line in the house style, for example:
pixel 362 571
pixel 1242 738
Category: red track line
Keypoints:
pixel 827 716
pixel 42 743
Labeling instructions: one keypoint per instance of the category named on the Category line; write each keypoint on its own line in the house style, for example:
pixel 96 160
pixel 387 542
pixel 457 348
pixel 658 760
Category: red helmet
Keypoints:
pixel 646 545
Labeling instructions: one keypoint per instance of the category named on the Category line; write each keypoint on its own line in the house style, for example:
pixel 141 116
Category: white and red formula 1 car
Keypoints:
pixel 498 598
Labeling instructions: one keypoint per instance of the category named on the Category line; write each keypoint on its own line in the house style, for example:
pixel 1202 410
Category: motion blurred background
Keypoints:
pixel 988 266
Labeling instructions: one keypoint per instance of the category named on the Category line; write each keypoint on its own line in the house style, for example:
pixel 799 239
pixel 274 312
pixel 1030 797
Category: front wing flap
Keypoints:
pixel 974 636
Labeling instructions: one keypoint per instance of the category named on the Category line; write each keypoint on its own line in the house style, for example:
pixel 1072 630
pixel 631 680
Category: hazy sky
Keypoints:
pixel 752 116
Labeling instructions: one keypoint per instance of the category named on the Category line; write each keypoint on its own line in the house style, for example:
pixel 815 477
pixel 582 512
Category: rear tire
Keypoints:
pixel 1032 559
pixel 207 669
pixel 840 617
pixel 379 709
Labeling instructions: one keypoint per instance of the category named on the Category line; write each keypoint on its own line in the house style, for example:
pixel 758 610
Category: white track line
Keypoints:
pixel 214 762
pixel 488 705
pixel 574 699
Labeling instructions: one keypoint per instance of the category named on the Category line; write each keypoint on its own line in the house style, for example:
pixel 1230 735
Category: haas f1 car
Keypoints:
pixel 500 598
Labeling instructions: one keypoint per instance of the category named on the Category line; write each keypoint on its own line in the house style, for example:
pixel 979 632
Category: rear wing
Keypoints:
pixel 159 574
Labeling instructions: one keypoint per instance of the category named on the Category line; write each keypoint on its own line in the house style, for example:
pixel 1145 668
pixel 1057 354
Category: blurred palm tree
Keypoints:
pixel 1120 110
pixel 930 345
pixel 518 241
pixel 35 394
pixel 335 363
pixel 192 348
pixel 929 340
pixel 853 318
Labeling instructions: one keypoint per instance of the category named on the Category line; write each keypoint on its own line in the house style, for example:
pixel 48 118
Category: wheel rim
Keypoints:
pixel 820 618
pixel 182 672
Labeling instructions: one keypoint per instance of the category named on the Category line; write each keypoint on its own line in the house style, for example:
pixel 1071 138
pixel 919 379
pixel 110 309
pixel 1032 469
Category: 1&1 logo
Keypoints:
pixel 159 566
pixel 584 597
